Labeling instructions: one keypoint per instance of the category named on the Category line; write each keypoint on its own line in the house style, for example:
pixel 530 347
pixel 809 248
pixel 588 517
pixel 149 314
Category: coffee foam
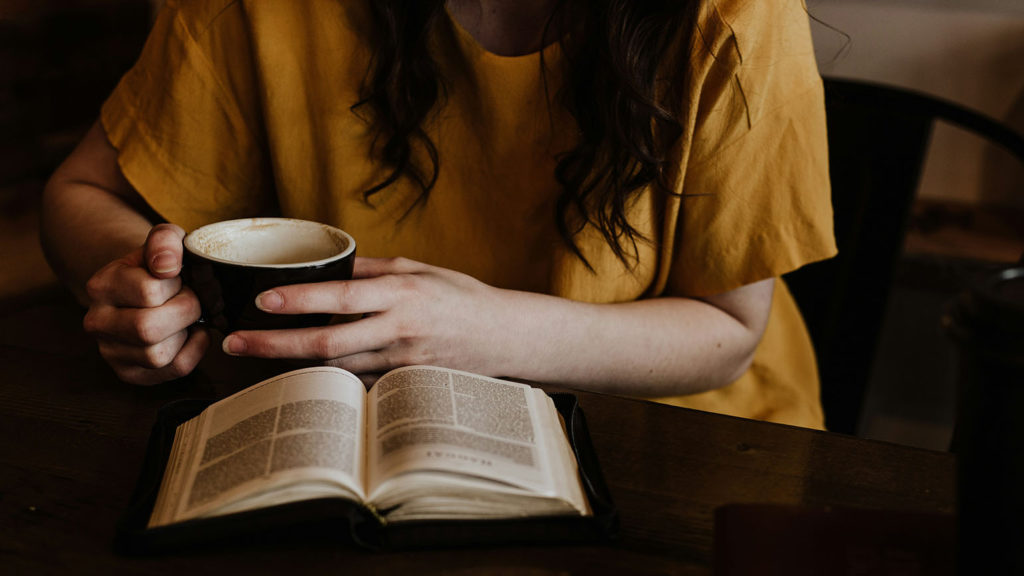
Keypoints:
pixel 269 242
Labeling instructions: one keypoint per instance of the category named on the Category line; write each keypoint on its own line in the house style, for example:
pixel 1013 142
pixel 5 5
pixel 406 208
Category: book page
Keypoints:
pixel 436 495
pixel 292 437
pixel 432 419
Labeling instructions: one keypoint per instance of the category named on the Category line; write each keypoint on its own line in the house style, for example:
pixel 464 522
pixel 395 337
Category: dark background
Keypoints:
pixel 58 61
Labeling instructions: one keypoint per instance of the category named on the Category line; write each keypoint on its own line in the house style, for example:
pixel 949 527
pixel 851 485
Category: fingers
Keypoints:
pixel 340 297
pixel 377 284
pixel 181 364
pixel 363 363
pixel 364 267
pixel 163 249
pixel 153 356
pixel 141 314
pixel 369 380
pixel 143 326
pixel 147 346
pixel 312 343
pixel 124 283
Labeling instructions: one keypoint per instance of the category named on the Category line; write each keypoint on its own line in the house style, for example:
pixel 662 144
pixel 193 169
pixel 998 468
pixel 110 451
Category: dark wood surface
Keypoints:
pixel 72 440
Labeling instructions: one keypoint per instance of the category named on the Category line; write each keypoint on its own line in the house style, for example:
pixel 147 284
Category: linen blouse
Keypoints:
pixel 239 108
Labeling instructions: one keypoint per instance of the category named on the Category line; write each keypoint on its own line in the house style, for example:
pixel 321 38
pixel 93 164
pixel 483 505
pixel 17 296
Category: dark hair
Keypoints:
pixel 626 105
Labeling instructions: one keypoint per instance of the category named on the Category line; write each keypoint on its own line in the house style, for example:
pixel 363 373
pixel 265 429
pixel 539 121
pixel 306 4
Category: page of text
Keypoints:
pixel 301 427
pixel 423 418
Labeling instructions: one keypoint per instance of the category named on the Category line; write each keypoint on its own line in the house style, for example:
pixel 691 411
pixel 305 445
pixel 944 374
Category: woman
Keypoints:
pixel 594 194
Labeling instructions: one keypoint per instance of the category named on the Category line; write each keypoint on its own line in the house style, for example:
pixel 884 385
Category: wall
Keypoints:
pixel 967 51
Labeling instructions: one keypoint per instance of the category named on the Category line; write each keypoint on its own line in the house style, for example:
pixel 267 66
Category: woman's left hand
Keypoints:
pixel 412 313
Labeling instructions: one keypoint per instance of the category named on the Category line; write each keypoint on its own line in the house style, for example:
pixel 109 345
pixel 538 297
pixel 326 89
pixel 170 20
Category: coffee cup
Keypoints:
pixel 227 264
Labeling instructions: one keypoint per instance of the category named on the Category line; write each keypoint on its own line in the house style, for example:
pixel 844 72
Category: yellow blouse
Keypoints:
pixel 241 108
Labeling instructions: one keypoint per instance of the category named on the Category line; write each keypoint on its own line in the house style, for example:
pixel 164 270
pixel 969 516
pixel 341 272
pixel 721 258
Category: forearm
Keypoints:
pixel 90 213
pixel 654 347
pixel 84 227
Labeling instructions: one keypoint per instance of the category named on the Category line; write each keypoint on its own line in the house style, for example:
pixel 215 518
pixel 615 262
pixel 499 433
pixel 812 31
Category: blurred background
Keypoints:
pixel 60 58
pixel 58 61
pixel 969 208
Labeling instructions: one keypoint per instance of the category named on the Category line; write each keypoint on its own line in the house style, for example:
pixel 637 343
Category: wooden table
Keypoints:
pixel 72 439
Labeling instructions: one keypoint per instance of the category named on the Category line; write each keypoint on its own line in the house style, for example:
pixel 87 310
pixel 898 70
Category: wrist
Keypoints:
pixel 541 335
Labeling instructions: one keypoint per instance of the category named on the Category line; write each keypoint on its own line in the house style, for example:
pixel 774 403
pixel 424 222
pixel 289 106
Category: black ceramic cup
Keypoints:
pixel 227 264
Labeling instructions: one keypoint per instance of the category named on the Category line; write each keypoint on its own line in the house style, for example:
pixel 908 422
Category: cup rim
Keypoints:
pixel 242 222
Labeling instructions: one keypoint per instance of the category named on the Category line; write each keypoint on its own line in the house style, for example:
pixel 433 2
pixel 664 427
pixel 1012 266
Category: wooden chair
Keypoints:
pixel 878 137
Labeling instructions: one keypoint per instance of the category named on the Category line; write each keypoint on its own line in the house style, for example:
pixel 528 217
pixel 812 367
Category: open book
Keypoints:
pixel 424 444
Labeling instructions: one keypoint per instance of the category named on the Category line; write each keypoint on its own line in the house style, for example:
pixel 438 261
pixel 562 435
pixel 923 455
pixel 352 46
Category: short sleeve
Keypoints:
pixel 185 119
pixel 756 196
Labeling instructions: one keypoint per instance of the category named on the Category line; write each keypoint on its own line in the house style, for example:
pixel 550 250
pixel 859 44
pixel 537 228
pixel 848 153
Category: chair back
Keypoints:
pixel 878 137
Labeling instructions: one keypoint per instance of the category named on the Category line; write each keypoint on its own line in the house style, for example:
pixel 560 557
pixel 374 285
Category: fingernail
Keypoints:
pixel 269 301
pixel 163 262
pixel 233 345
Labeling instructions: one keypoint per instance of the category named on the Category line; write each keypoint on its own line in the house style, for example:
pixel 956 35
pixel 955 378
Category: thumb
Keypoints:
pixel 162 252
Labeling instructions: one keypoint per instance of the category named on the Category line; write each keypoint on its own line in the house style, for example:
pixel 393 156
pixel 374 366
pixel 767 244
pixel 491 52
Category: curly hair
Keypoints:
pixel 624 102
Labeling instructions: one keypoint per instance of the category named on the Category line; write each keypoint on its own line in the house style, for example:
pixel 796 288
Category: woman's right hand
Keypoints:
pixel 142 315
